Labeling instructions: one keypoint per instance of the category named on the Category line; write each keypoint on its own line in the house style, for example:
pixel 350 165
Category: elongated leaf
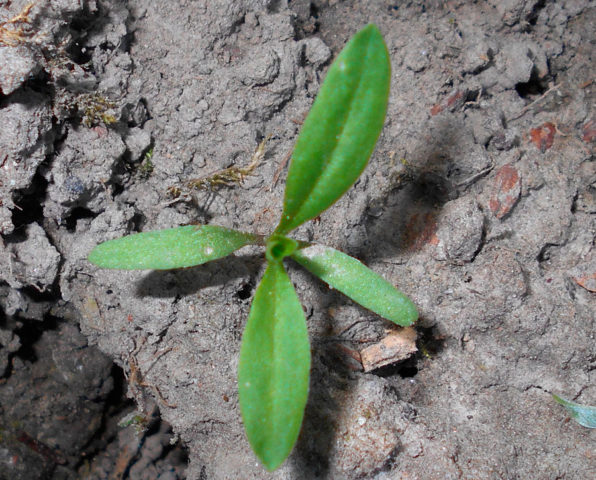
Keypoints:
pixel 361 284
pixel 583 414
pixel 172 248
pixel 274 368
pixel 341 130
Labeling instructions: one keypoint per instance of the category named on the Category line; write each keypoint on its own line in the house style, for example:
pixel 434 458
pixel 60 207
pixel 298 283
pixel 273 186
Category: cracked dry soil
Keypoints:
pixel 479 203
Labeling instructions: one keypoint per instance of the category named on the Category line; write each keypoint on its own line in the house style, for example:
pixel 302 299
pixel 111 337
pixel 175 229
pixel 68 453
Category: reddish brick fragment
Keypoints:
pixel 421 230
pixel 436 109
pixel 506 191
pixel 453 101
pixel 589 131
pixel 455 98
pixel 543 136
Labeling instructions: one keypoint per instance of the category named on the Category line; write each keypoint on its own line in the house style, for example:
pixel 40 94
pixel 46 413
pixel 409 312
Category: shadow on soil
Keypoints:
pixel 189 281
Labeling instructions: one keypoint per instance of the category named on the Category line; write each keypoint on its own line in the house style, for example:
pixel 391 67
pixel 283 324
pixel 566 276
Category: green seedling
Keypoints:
pixel 146 167
pixel 585 415
pixel 334 145
pixel 137 419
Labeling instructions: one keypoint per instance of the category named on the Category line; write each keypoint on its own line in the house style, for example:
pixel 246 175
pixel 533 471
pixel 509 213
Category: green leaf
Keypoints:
pixel 172 248
pixel 274 368
pixel 361 284
pixel 583 414
pixel 341 130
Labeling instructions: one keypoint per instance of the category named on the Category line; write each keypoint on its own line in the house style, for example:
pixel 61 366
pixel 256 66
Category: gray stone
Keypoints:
pixel 33 261
pixel 137 142
pixel 460 230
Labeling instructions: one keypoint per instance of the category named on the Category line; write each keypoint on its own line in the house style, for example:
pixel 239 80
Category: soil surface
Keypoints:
pixel 479 203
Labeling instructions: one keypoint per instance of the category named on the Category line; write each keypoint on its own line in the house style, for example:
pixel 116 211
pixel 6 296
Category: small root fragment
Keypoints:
pixel 228 177
pixel 12 32
pixel 280 169
pixel 521 113
pixel 136 379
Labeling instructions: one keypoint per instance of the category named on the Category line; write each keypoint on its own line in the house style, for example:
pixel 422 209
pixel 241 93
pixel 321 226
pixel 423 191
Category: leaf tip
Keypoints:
pixel 585 415
pixel 272 464
pixel 95 256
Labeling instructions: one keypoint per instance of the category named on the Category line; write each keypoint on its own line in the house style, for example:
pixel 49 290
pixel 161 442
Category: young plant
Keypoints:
pixel 334 145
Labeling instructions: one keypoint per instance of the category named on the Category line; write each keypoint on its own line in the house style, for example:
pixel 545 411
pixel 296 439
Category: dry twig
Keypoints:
pixel 530 105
